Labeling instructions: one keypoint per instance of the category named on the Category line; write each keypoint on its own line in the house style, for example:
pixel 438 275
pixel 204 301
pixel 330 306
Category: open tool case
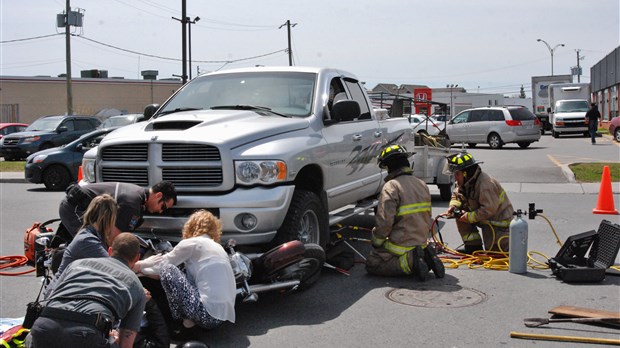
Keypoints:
pixel 586 256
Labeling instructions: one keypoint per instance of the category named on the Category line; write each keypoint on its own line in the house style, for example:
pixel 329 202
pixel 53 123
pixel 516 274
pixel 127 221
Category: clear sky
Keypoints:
pixel 482 45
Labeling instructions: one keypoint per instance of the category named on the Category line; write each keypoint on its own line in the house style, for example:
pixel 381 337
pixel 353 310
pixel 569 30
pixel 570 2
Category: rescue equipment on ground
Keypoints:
pixel 571 263
pixel 518 244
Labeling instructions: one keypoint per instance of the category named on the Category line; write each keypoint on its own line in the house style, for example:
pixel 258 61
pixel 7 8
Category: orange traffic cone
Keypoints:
pixel 605 204
pixel 79 178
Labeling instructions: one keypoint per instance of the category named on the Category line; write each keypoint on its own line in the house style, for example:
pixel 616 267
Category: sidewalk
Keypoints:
pixel 583 188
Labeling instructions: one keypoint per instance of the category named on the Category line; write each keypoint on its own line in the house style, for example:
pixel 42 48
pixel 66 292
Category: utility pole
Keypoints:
pixel 68 59
pixel 290 51
pixel 578 67
pixel 189 27
pixel 183 21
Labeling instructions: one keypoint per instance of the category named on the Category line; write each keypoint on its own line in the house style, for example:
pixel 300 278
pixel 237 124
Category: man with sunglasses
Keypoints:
pixel 133 201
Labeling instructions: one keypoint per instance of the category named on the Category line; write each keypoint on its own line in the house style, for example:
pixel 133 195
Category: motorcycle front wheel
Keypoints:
pixel 308 269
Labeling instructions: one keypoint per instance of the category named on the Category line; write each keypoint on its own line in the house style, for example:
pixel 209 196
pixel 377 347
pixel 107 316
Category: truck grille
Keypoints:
pixel 125 153
pixel 138 176
pixel 189 152
pixel 193 176
pixel 201 165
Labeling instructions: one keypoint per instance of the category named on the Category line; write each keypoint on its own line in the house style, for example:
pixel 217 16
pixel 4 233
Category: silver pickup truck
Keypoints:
pixel 277 153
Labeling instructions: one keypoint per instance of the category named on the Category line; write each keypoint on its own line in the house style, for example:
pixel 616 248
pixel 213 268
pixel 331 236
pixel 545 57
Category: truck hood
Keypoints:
pixel 233 127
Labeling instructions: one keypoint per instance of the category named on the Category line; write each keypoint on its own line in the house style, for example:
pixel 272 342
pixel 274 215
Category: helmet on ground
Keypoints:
pixel 460 161
pixel 391 153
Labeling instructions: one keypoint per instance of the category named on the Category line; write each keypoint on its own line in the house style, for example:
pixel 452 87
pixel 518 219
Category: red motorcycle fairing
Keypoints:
pixel 279 257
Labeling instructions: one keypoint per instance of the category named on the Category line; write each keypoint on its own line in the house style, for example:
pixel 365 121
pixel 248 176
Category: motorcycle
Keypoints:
pixel 287 267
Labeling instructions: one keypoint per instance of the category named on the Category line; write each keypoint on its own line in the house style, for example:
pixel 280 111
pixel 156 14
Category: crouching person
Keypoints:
pixel 402 222
pixel 90 296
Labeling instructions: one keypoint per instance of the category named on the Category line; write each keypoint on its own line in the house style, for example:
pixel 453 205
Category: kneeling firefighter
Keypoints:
pixel 402 222
pixel 478 201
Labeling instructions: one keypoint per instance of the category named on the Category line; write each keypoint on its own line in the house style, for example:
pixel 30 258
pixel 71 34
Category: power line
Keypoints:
pixel 30 38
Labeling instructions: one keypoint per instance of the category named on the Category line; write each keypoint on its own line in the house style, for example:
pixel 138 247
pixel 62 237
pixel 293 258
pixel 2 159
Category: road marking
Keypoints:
pixel 556 162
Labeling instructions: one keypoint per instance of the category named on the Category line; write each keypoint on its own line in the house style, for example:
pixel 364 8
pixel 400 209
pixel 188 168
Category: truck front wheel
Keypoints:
pixel 306 220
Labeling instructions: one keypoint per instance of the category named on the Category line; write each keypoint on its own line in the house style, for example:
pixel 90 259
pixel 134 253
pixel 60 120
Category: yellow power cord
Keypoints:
pixel 497 260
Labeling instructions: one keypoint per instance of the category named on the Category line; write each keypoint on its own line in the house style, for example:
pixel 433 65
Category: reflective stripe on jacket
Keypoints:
pixel 404 212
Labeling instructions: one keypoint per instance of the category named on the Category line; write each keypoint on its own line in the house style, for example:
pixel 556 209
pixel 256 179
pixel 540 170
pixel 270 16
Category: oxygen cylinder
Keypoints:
pixel 517 255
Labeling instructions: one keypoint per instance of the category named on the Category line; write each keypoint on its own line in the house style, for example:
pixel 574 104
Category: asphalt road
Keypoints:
pixel 364 311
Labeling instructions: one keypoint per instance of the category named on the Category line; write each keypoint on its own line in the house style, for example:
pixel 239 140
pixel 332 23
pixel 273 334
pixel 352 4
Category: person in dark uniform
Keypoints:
pixel 592 117
pixel 90 296
pixel 133 202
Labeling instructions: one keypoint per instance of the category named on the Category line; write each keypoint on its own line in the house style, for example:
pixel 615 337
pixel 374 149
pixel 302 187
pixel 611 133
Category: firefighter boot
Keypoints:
pixel 431 259
pixel 419 268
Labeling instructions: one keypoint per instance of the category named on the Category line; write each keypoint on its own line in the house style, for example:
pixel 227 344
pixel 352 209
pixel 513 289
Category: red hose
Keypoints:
pixel 14 261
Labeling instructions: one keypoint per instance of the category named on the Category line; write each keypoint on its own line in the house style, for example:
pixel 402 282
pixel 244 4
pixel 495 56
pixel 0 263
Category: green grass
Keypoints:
pixel 12 166
pixel 593 172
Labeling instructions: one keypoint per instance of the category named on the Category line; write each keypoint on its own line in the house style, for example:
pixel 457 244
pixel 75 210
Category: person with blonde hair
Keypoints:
pixel 206 295
pixel 95 236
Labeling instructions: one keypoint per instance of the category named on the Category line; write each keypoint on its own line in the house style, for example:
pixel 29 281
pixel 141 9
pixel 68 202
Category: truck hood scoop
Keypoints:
pixel 172 125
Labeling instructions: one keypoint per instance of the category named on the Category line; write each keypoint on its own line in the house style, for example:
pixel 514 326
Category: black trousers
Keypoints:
pixel 57 333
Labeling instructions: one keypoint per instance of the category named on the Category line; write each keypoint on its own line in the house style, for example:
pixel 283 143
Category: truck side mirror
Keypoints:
pixel 149 111
pixel 345 110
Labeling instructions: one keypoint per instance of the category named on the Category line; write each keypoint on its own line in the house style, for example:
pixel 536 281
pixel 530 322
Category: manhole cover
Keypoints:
pixel 438 296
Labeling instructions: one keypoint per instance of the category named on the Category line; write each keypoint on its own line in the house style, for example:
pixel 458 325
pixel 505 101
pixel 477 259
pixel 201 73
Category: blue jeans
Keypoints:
pixel 593 126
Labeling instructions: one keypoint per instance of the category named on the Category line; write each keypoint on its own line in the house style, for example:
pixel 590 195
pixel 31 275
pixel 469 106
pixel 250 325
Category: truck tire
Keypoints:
pixel 306 220
pixel 555 134
pixel 523 144
pixel 445 192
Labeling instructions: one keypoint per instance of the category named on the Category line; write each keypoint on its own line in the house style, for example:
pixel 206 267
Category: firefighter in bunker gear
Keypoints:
pixel 402 222
pixel 483 203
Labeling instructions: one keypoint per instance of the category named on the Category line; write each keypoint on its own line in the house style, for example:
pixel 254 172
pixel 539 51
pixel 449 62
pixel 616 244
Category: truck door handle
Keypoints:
pixel 378 134
pixel 357 137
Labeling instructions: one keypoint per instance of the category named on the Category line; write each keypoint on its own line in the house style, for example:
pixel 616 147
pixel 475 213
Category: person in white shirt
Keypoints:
pixel 206 295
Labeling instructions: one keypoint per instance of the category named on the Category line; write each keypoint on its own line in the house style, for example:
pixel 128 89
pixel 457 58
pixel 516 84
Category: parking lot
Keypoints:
pixel 361 310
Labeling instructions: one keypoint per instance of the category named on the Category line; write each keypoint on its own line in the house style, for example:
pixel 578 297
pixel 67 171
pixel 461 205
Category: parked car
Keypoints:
pixel 121 120
pixel 614 128
pixel 45 133
pixel 423 124
pixel 56 168
pixel 495 126
pixel 8 128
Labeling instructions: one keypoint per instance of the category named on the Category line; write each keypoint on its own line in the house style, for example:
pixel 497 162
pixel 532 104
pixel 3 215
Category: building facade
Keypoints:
pixel 605 84
pixel 25 99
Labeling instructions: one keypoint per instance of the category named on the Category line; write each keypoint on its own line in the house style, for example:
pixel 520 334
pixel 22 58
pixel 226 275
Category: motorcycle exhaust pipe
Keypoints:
pixel 289 284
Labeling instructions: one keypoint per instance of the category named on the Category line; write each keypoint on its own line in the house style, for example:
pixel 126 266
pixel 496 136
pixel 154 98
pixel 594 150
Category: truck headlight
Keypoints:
pixel 259 172
pixel 88 170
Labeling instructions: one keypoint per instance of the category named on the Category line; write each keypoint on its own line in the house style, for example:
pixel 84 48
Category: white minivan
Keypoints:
pixel 496 126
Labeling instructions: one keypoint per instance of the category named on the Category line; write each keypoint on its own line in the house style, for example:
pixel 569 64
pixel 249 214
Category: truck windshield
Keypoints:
pixel 287 93
pixel 571 106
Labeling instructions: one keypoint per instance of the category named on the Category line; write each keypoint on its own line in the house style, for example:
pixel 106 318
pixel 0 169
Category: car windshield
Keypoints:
pixel 285 93
pixel 571 106
pixel 118 121
pixel 44 124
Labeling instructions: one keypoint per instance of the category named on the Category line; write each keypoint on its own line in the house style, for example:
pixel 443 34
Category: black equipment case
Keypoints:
pixel 571 264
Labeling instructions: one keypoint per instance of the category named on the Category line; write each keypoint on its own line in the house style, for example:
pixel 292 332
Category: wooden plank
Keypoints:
pixel 581 312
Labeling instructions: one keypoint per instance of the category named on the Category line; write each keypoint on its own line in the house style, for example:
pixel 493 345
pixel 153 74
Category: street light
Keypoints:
pixel 551 50
pixel 452 87
pixel 189 26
